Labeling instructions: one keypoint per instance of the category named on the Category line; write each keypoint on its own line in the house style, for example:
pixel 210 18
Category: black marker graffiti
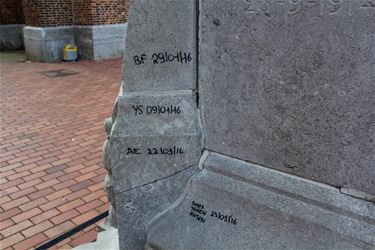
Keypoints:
pixel 198 212
pixel 153 110
pixel 157 151
pixel 164 57
pixel 226 218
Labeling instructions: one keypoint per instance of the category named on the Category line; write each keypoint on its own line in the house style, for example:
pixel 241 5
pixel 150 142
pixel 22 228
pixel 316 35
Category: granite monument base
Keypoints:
pixel 233 204
pixel 137 207
pixel 153 147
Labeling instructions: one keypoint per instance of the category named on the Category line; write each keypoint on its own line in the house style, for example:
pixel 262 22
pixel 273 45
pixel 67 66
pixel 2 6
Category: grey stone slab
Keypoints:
pixel 290 85
pixel 232 204
pixel 47 44
pixel 156 113
pixel 358 194
pixel 83 37
pixel 97 42
pixel 155 135
pixel 11 37
pixel 106 240
pixel 137 207
pixel 160 46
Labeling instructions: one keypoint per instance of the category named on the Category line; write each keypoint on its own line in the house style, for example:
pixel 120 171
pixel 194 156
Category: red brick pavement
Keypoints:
pixel 51 141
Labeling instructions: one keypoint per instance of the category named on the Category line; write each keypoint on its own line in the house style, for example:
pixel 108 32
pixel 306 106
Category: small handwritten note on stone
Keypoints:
pixel 199 213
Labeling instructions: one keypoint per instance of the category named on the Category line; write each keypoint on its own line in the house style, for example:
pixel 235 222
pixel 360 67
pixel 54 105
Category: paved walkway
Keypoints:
pixel 51 141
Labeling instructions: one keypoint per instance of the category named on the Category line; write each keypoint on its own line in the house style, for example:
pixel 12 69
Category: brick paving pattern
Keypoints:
pixel 51 140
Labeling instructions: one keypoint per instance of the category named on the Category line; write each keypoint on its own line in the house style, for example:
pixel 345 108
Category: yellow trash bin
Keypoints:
pixel 70 53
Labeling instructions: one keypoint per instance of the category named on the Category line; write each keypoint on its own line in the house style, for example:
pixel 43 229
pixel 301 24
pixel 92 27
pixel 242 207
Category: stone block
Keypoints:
pixel 155 135
pixel 290 85
pixel 160 46
pixel 47 44
pixel 233 204
pixel 136 208
pixel 107 239
pixel 11 37
pixel 97 42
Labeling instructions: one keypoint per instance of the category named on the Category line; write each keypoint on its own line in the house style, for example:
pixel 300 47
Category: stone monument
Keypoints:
pixel 246 124
pixel 154 137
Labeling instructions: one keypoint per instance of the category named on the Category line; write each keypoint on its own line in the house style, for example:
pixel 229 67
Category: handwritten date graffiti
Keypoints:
pixel 198 211
pixel 156 110
pixel 156 151
pixel 164 57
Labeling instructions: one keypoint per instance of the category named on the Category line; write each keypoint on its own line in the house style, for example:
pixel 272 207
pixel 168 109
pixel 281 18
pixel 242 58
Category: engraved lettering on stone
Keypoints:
pixel 295 6
pixel 261 7
pixel 265 8
pixel 291 7
pixel 368 4
pixel 334 6
pixel 249 7
pixel 312 2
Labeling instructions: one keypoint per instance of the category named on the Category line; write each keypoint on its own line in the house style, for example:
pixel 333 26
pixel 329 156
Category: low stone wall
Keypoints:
pixel 94 42
pixel 47 44
pixel 97 42
pixel 11 36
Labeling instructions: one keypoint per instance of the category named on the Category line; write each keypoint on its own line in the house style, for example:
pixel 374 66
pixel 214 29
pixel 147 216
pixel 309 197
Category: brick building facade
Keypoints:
pixel 11 20
pixel 100 12
pixel 53 13
pixel 50 13
pixel 11 12
pixel 52 24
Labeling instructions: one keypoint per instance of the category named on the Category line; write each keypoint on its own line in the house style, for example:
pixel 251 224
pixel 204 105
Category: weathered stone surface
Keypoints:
pixel 94 42
pixel 155 135
pixel 47 44
pixel 11 37
pixel 107 239
pixel 97 42
pixel 157 27
pixel 290 85
pixel 137 207
pixel 232 204
pixel 358 194
pixel 283 84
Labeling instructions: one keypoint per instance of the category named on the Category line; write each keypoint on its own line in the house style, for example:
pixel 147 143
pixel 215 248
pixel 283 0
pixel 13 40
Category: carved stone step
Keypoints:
pixel 232 204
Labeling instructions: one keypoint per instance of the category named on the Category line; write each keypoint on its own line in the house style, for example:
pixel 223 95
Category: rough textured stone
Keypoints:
pixel 107 239
pixel 284 84
pixel 137 207
pixel 11 37
pixel 358 194
pixel 97 42
pixel 159 26
pixel 143 126
pixel 232 204
pixel 290 85
pixel 156 138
